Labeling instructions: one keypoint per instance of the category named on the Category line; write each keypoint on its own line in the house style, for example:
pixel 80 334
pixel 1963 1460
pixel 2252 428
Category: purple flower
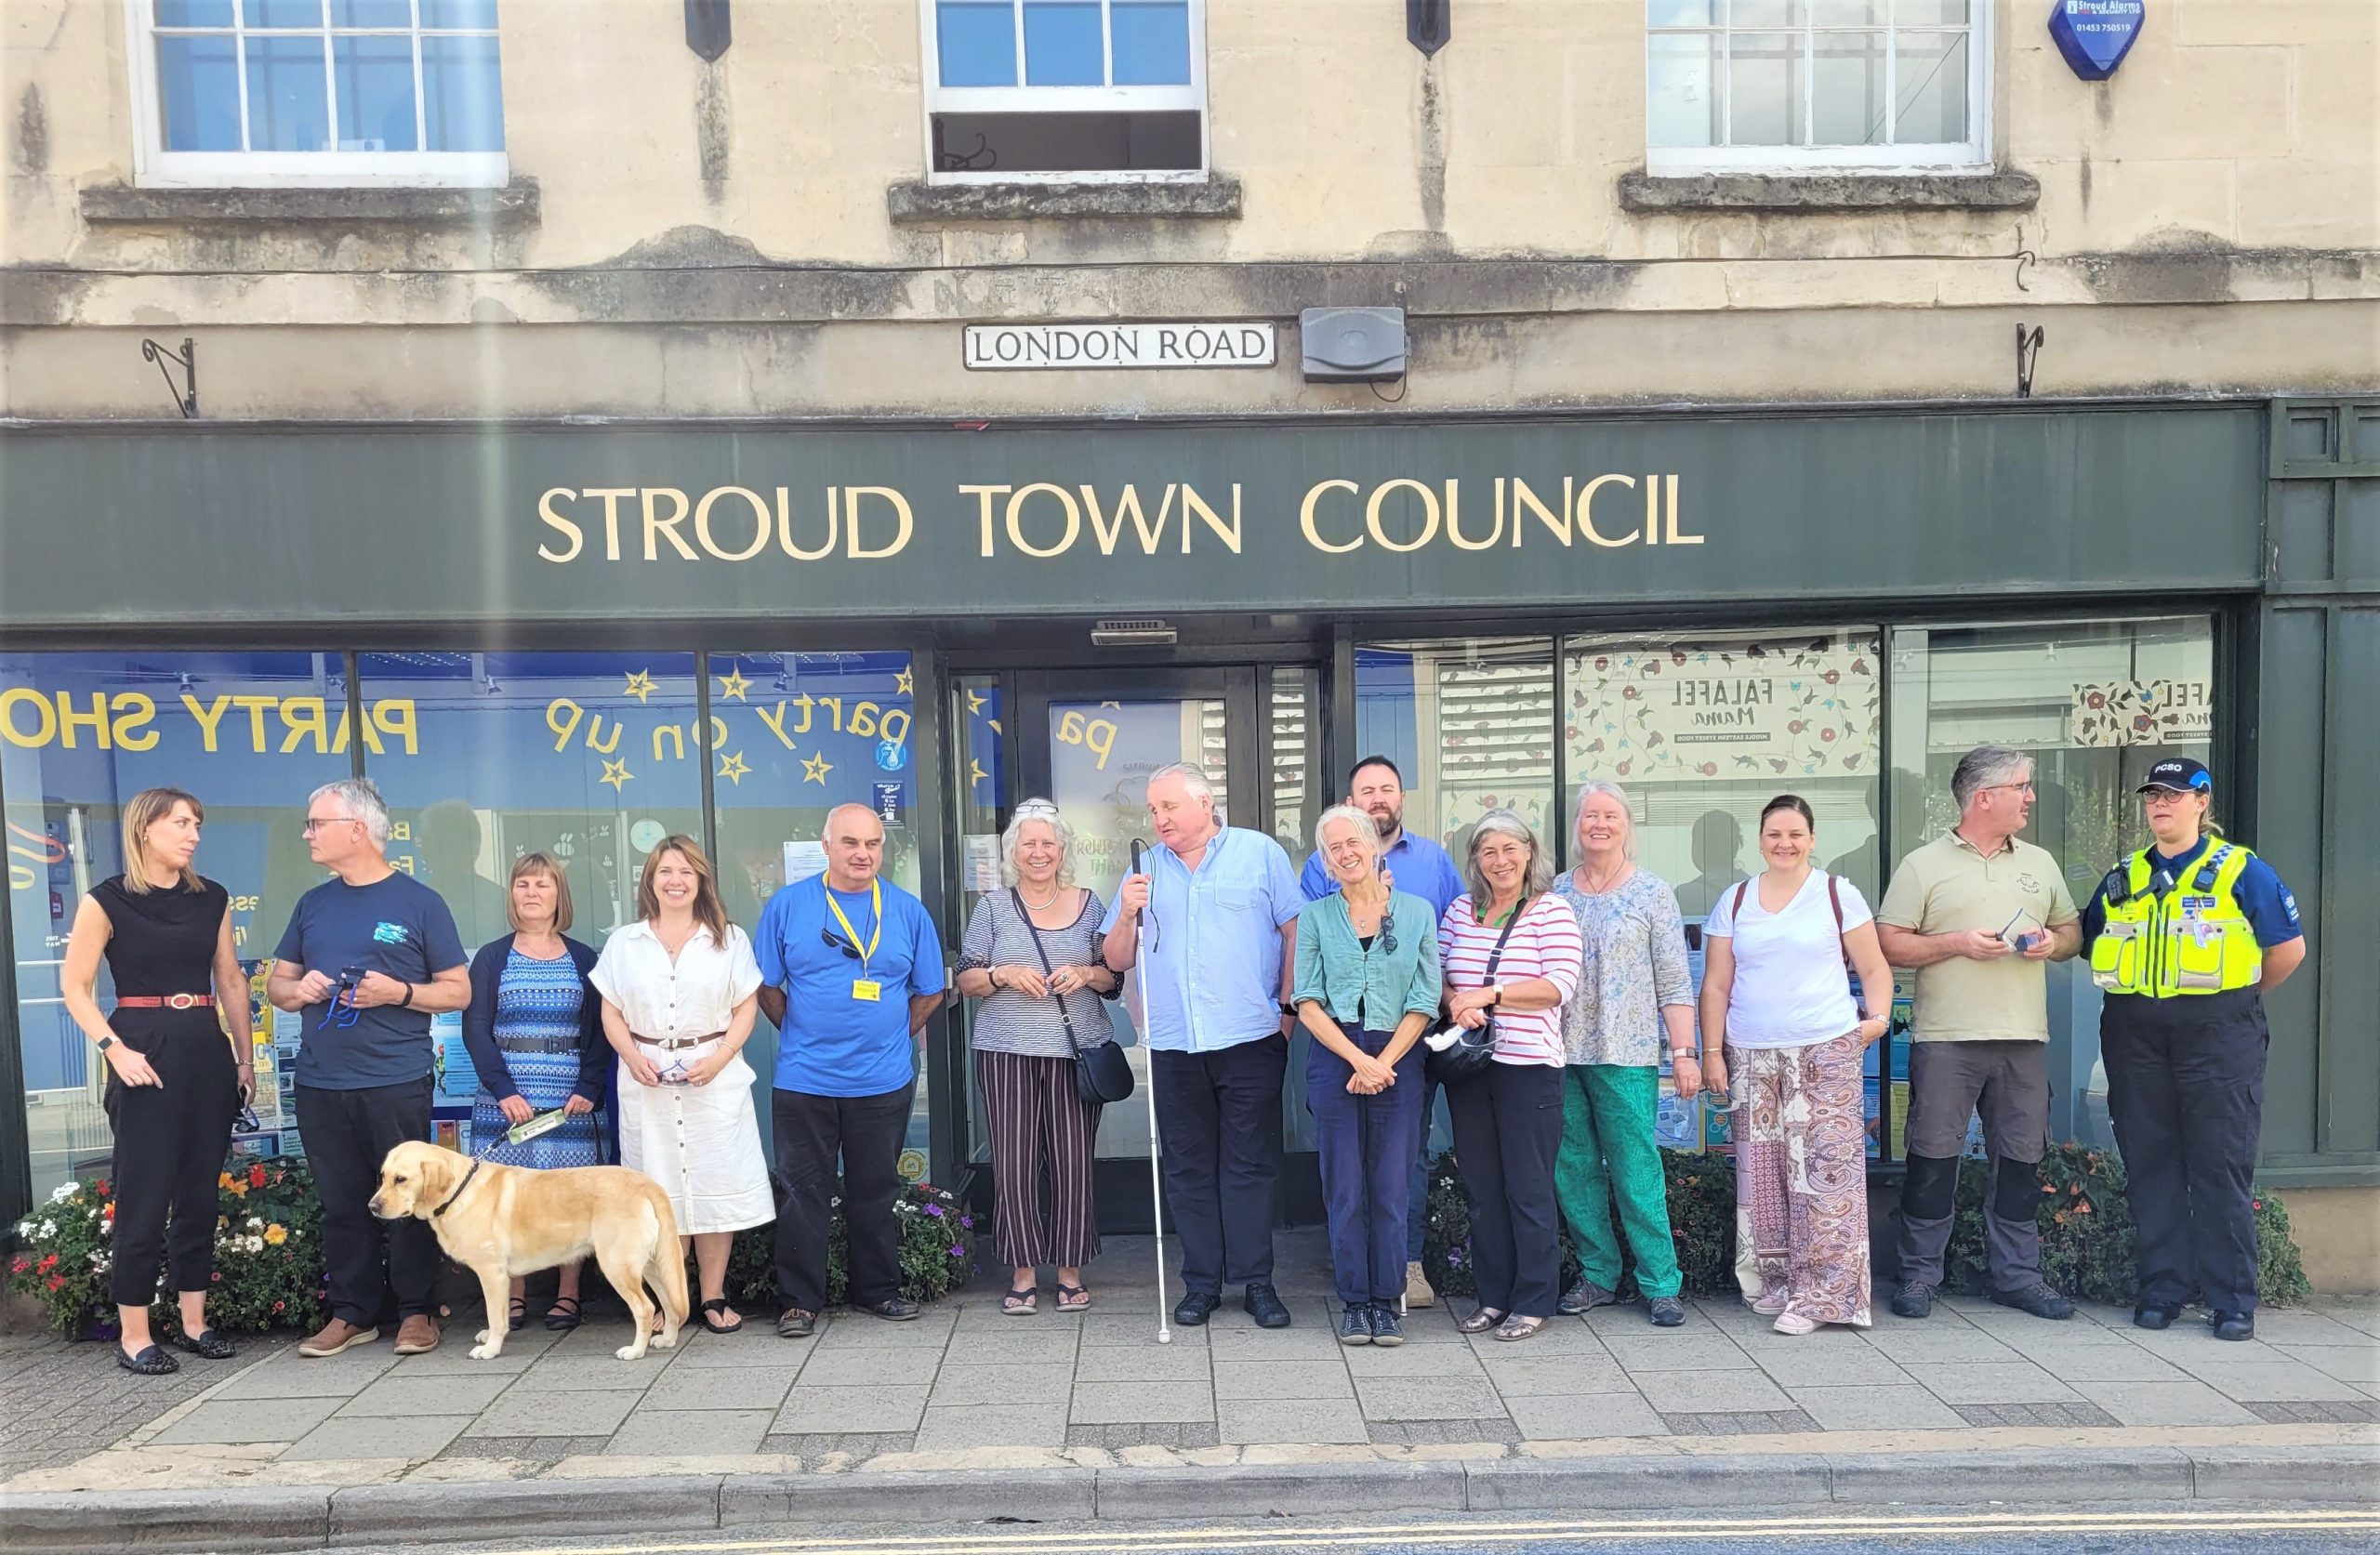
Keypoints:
pixel 967 1223
pixel 935 1210
pixel 956 1251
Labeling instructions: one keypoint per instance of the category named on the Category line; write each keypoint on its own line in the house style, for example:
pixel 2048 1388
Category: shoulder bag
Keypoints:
pixel 1453 1053
pixel 1102 1073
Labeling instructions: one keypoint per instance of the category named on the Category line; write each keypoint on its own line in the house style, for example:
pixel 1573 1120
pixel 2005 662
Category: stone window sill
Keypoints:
pixel 917 203
pixel 1814 192
pixel 514 204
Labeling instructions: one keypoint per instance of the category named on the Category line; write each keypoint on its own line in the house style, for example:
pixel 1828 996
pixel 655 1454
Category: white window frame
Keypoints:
pixel 156 168
pixel 1973 156
pixel 1191 99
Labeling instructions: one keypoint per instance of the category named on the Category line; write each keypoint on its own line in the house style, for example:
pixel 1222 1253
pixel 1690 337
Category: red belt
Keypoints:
pixel 166 1001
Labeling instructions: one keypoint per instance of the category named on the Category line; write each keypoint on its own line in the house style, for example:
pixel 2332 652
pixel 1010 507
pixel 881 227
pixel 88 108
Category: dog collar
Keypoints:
pixel 458 1190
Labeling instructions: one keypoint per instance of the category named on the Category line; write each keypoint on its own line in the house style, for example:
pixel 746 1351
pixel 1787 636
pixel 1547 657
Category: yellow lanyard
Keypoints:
pixel 876 901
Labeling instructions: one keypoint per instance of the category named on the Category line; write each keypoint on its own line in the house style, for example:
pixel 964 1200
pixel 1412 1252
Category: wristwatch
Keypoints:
pixel 105 1043
pixel 407 1003
pixel 1289 1010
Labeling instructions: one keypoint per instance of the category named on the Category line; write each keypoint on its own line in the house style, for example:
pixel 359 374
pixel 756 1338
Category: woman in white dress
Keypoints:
pixel 680 992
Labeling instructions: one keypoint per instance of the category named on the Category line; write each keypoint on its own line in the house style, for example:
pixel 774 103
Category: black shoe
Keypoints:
pixel 1666 1311
pixel 1264 1305
pixel 1583 1295
pixel 1195 1307
pixel 1386 1329
pixel 152 1362
pixel 1914 1299
pixel 2233 1325
pixel 893 1308
pixel 1356 1324
pixel 2154 1316
pixel 207 1346
pixel 2038 1300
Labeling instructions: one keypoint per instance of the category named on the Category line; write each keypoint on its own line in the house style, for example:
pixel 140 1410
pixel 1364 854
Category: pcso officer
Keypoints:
pixel 2185 938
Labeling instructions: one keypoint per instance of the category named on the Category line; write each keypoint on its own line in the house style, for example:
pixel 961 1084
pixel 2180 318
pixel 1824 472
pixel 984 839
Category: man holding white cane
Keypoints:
pixel 1220 905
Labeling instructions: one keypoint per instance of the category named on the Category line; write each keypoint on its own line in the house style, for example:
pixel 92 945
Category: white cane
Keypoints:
pixel 1157 1180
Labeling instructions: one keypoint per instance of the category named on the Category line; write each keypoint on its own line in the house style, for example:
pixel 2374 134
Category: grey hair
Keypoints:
pixel 1045 811
pixel 1193 777
pixel 1363 821
pixel 1986 767
pixel 1539 876
pixel 1593 786
pixel 363 803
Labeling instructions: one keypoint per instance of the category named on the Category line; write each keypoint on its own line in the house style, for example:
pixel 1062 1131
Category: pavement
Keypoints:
pixel 972 1414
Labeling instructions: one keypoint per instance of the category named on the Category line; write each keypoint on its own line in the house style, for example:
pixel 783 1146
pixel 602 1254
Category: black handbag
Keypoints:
pixel 1102 1073
pixel 1471 1051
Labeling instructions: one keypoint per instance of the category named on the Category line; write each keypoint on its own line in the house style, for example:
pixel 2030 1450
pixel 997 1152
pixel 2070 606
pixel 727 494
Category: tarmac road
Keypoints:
pixel 2212 1529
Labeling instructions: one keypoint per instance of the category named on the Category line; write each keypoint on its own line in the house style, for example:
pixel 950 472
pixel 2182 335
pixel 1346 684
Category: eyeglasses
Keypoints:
pixel 247 1122
pixel 343 1007
pixel 1035 810
pixel 316 824
pixel 2024 788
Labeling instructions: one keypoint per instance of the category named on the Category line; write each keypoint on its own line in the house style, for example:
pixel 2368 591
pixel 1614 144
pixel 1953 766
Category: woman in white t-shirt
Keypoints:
pixel 1776 993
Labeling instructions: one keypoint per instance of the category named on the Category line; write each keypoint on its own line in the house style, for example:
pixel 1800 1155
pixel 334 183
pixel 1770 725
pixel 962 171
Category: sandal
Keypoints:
pixel 1479 1322
pixel 711 1310
pixel 557 1320
pixel 1517 1327
pixel 1072 1298
pixel 1023 1301
pixel 520 1314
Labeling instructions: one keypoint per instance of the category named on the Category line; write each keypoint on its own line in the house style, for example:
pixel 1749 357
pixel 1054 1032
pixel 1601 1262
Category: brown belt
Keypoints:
pixel 166 1001
pixel 671 1045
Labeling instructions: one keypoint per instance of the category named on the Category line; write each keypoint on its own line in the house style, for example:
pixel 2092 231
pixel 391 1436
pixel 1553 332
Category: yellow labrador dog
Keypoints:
pixel 501 1221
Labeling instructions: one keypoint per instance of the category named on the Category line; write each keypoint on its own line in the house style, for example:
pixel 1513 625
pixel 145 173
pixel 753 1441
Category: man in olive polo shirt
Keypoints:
pixel 1977 913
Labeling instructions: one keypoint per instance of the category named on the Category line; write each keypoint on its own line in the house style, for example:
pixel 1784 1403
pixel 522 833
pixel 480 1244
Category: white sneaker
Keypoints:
pixel 1794 1323
pixel 1416 1288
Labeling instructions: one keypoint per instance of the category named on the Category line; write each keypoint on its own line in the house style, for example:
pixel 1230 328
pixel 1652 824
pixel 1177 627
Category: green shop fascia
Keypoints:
pixel 588 637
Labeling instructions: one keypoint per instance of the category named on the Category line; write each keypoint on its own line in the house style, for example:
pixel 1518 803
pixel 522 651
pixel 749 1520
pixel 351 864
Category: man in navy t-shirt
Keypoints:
pixel 851 969
pixel 368 958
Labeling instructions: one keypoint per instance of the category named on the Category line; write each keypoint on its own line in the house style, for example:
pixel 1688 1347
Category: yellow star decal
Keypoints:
pixel 992 724
pixel 617 774
pixel 733 769
pixel 640 685
pixel 904 684
pixel 974 703
pixel 734 686
pixel 976 772
pixel 815 768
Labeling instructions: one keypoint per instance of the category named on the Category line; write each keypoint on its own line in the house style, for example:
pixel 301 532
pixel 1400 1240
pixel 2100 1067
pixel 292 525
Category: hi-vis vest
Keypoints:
pixel 2165 937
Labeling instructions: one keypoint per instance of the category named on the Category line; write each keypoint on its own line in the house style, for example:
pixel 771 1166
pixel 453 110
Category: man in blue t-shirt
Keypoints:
pixel 1420 865
pixel 851 969
pixel 368 958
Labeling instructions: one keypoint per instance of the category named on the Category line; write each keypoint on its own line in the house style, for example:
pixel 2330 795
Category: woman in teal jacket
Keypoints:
pixel 1366 989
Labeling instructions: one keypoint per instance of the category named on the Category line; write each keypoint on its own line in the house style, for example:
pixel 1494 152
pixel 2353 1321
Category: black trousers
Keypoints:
pixel 1219 1128
pixel 2186 1092
pixel 866 1132
pixel 365 1259
pixel 170 1142
pixel 1507 1129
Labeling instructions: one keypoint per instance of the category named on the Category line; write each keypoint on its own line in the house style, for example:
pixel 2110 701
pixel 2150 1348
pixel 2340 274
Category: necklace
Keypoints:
pixel 1598 889
pixel 1032 905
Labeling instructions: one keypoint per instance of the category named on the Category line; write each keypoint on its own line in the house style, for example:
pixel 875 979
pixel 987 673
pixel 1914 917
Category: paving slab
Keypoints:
pixel 1153 1362
pixel 1115 1327
pixel 2276 1380
pixel 574 1412
pixel 893 1407
pixel 2085 1366
pixel 2183 1402
pixel 248 1420
pixel 1264 1344
pixel 556 1373
pixel 1833 1358
pixel 690 1432
pixel 1015 1346
pixel 852 1368
pixel 1420 1360
pixel 1428 1398
pixel 1099 1404
pixel 844 1331
pixel 1285 1381
pixel 347 1438
pixel 1583 1416
pixel 291 1376
pixel 762 1388
pixel 2357 1363
pixel 1693 1392
pixel 1960 1382
pixel 1240 1422
pixel 1927 1343
pixel 1905 1406
pixel 1651 1352
pixel 953 1427
pixel 1540 1376
pixel 399 1394
pixel 2283 1327
pixel 757 1347
pixel 979 1386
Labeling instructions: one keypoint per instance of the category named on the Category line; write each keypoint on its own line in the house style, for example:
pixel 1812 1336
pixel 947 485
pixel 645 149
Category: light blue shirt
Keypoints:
pixel 1211 943
pixel 1415 863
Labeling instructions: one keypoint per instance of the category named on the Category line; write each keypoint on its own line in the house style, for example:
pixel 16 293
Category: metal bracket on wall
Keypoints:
pixel 708 28
pixel 1428 24
pixel 185 400
pixel 2029 350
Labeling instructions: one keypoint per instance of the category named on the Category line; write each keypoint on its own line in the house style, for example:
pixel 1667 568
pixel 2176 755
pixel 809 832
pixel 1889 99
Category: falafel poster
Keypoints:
pixel 1737 708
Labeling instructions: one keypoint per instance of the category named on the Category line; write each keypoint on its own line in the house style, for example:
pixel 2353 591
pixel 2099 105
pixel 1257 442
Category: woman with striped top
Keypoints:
pixel 1508 1121
pixel 1032 956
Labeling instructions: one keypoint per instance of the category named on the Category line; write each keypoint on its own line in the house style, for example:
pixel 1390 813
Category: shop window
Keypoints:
pixel 251 736
pixel 1292 714
pixel 2094 704
pixel 799 734
pixel 1733 86
pixel 1065 90
pixel 1469 720
pixel 980 800
pixel 264 92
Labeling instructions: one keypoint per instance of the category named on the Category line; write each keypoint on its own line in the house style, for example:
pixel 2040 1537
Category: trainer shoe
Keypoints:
pixel 2038 1300
pixel 1914 1298
pixel 1665 1311
pixel 1387 1331
pixel 1583 1295
pixel 1356 1324
pixel 1417 1286
pixel 418 1335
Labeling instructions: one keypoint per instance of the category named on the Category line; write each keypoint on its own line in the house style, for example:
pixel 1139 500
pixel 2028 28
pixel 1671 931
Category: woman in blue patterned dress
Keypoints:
pixel 536 1033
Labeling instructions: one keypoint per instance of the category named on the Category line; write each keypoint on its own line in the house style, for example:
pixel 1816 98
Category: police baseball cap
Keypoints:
pixel 2179 773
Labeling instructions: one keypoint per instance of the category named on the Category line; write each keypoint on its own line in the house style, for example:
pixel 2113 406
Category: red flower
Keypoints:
pixel 216 1277
pixel 2255 1204
pixel 19 1267
pixel 256 1176
pixel 276 1306
pixel 57 1281
pixel 49 1263
pixel 100 1187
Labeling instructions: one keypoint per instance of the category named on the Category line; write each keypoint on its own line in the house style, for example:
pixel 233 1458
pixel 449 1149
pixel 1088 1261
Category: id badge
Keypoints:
pixel 866 990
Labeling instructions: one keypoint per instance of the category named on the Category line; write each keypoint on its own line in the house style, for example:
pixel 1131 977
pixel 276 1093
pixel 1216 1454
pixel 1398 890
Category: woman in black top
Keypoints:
pixel 174 1084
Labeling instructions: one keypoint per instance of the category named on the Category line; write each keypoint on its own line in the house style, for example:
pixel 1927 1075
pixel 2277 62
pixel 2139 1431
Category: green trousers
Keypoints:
pixel 1607 1145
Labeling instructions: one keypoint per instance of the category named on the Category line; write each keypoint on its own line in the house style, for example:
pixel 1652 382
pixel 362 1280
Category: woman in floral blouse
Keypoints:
pixel 1633 990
